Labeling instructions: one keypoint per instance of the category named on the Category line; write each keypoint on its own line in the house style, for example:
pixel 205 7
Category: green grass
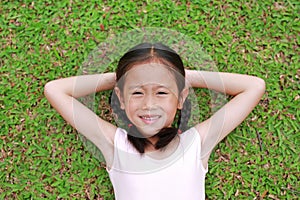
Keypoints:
pixel 42 157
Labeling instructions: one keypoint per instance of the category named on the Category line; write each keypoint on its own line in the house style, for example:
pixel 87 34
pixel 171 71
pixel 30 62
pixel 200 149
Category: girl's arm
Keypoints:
pixel 62 94
pixel 247 91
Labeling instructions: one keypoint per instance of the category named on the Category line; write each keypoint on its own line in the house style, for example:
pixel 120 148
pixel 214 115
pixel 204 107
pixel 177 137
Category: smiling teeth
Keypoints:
pixel 150 118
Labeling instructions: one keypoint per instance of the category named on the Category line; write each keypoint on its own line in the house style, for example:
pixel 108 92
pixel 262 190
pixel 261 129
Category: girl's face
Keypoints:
pixel 150 97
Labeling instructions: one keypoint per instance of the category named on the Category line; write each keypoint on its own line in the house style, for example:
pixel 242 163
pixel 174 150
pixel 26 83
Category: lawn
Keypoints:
pixel 42 157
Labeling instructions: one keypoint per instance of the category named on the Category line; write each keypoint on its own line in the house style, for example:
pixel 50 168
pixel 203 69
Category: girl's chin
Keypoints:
pixel 148 132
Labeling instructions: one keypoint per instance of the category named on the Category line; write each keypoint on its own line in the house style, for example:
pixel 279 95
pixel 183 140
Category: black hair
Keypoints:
pixel 143 53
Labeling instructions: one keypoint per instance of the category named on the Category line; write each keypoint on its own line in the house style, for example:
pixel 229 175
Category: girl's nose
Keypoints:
pixel 149 102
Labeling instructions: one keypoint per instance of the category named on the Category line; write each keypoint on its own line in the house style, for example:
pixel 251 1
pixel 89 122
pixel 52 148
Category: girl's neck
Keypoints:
pixel 161 153
pixel 153 140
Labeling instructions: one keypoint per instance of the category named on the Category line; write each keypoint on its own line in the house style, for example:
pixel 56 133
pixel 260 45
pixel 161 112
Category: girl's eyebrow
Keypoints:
pixel 142 86
pixel 134 87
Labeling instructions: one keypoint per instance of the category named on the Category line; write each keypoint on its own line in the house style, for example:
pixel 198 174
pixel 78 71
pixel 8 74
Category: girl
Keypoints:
pixel 155 158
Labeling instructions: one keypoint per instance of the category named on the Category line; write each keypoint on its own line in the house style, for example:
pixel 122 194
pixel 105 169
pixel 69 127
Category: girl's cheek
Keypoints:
pixel 134 103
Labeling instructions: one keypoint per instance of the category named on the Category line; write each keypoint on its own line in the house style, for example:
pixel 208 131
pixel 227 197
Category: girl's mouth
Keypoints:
pixel 149 119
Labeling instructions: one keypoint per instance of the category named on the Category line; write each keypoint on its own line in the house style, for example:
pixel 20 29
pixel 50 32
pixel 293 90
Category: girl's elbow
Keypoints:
pixel 260 85
pixel 49 89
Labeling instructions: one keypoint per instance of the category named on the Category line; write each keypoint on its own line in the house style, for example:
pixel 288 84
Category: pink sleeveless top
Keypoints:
pixel 181 176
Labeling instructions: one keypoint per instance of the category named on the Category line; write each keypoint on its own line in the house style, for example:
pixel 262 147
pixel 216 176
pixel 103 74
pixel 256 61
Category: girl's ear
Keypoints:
pixel 182 97
pixel 119 95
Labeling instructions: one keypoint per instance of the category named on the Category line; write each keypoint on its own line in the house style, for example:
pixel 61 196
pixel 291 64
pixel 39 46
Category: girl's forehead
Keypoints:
pixel 150 73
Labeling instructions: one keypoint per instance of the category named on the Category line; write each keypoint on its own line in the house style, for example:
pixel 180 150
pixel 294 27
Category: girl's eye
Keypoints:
pixel 137 93
pixel 162 93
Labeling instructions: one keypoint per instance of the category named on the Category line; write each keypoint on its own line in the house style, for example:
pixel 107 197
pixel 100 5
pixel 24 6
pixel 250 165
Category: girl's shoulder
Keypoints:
pixel 121 142
pixel 191 133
